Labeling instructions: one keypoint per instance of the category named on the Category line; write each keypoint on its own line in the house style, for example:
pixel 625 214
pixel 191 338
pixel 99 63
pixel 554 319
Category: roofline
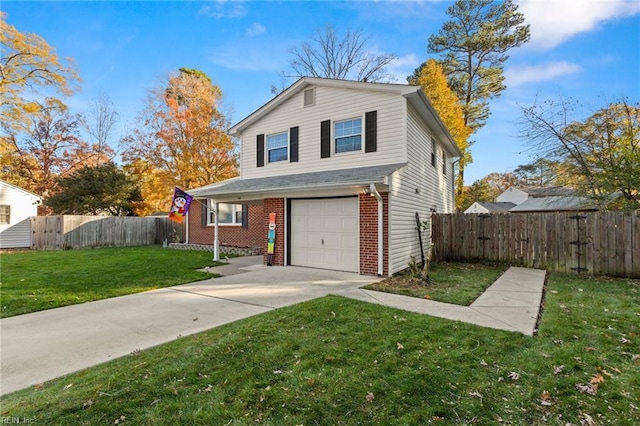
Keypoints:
pixel 408 91
pixel 17 188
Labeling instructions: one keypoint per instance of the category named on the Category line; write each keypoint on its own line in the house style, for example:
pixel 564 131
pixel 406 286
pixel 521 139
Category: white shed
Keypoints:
pixel 16 208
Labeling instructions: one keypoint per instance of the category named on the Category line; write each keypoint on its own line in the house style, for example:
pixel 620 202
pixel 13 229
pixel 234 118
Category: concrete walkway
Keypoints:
pixel 44 345
pixel 512 303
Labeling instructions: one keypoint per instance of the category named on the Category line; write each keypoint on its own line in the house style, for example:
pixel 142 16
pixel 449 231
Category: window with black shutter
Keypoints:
pixel 293 144
pixel 260 150
pixel 371 131
pixel 325 139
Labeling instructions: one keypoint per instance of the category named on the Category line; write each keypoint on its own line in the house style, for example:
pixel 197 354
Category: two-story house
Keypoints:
pixel 345 166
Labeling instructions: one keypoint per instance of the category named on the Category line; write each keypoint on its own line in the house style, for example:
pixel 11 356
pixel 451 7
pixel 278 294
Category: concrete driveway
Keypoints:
pixel 44 345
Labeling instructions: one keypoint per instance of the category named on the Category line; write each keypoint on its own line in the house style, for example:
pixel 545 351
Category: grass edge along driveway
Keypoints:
pixel 37 280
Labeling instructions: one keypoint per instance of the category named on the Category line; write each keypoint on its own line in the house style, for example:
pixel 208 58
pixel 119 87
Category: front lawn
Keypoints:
pixel 336 361
pixel 36 280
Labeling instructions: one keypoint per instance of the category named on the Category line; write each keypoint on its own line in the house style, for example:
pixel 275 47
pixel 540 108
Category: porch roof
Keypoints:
pixel 302 181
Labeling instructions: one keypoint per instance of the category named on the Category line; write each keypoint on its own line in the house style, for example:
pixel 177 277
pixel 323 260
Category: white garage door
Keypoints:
pixel 324 233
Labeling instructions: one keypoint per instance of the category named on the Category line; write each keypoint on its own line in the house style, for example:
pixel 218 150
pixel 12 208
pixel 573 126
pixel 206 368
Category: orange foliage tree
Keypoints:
pixel 183 140
pixel 431 77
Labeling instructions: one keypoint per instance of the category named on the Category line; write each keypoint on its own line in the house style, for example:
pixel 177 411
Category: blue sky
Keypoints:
pixel 587 50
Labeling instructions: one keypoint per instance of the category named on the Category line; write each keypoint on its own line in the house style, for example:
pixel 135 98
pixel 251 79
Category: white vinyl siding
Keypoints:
pixel 22 205
pixel 417 187
pixel 335 104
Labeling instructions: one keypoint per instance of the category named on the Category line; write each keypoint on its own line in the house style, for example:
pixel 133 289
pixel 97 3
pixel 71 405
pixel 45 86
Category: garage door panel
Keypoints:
pixel 324 233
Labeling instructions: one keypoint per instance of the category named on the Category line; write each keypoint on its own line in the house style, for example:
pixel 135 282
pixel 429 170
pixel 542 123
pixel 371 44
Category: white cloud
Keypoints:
pixel 224 9
pixel 256 29
pixel 403 66
pixel 555 21
pixel 518 76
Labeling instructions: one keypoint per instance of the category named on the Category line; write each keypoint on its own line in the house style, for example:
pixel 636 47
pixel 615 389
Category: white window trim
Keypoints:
pixel 8 222
pixel 210 219
pixel 266 142
pixel 333 135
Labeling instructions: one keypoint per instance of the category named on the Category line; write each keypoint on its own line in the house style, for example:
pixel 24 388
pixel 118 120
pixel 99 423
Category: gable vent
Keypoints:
pixel 310 97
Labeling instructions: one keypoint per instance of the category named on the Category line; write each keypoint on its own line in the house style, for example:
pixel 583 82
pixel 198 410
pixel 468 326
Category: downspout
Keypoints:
pixel 375 193
pixel 216 236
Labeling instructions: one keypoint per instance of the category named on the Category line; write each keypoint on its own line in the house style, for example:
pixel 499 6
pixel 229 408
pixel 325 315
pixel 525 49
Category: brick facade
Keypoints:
pixel 274 205
pixel 369 234
pixel 230 236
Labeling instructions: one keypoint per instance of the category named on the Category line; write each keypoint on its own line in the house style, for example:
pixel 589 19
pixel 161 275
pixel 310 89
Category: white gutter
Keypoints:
pixel 375 193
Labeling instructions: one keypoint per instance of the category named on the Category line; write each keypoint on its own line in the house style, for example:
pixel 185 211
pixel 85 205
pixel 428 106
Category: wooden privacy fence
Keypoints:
pixel 597 243
pixel 70 232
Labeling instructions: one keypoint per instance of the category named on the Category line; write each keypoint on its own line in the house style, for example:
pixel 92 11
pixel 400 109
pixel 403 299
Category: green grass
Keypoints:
pixel 316 362
pixel 36 280
pixel 457 283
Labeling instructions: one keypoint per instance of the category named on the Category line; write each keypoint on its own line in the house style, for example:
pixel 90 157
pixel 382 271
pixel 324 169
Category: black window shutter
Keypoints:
pixel 293 144
pixel 371 131
pixel 260 150
pixel 204 212
pixel 245 216
pixel 325 139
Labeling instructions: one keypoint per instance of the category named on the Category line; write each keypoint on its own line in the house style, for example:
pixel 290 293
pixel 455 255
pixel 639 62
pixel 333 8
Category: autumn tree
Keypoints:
pixel 540 172
pixel 28 66
pixel 330 55
pixel 50 148
pixel 480 191
pixel 603 150
pixel 434 84
pixel 183 141
pixel 96 190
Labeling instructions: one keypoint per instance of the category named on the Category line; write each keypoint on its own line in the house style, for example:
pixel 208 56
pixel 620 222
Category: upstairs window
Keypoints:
pixel 348 135
pixel 444 162
pixel 278 147
pixel 5 215
pixel 433 152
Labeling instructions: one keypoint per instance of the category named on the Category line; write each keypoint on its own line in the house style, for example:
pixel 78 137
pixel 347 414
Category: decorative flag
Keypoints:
pixel 179 205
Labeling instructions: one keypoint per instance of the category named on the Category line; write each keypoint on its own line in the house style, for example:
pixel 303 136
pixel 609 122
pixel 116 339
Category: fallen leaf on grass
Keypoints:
pixel 207 389
pixel 545 396
pixel 624 340
pixel 587 420
pixel 400 346
pixel 426 296
pixel 557 369
pixel 369 397
pixel 476 394
pixel 590 389
pixel 121 419
pixel 38 386
pixel 88 403
pixel 483 363
pixel 596 379
pixel 514 376
pixel 603 371
pixel 589 349
pixel 68 386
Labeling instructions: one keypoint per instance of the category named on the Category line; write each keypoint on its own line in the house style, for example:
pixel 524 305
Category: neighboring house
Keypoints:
pixel 535 199
pixel 555 203
pixel 345 166
pixel 488 207
pixel 16 208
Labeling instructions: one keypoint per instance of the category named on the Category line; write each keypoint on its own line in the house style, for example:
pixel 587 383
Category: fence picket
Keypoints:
pixel 609 241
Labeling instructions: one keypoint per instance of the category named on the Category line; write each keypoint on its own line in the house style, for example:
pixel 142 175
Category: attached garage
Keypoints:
pixel 324 233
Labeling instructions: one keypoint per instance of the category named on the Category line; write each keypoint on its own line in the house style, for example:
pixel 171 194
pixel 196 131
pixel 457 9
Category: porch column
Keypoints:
pixel 216 234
